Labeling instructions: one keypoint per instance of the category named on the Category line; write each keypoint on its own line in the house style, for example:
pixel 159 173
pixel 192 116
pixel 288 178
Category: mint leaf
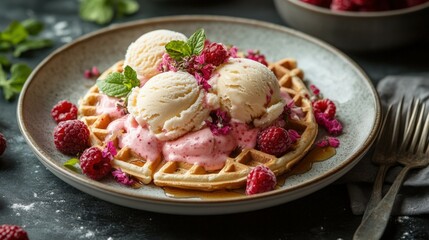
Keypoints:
pixel 131 78
pixel 4 62
pixel 98 11
pixel 119 84
pixel 32 26
pixel 28 45
pixel 19 74
pixel 196 42
pixel 70 164
pixel 178 49
pixel 5 45
pixel 14 33
pixel 127 7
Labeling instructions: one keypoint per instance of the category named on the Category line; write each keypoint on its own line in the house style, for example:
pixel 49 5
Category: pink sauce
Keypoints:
pixel 201 147
pixel 136 137
pixel 245 136
pixel 108 105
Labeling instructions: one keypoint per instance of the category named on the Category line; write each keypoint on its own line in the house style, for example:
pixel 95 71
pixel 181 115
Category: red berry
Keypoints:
pixel 320 3
pixel 12 232
pixel 326 107
pixel 71 137
pixel 3 144
pixel 343 5
pixel 260 179
pixel 93 164
pixel 256 56
pixel 215 53
pixel 64 110
pixel 273 140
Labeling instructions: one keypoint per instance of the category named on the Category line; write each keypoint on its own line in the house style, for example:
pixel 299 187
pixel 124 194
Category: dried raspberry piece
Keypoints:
pixel 215 53
pixel 260 179
pixel 64 110
pixel 12 232
pixel 71 137
pixel 93 164
pixel 325 106
pixel 3 144
pixel 273 140
pixel 343 5
pixel 256 56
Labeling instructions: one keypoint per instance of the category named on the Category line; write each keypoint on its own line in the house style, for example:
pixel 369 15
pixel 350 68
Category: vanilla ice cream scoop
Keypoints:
pixel 249 91
pixel 145 54
pixel 170 104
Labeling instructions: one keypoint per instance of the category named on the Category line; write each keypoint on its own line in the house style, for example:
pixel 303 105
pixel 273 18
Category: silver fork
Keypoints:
pixel 413 153
pixel 385 152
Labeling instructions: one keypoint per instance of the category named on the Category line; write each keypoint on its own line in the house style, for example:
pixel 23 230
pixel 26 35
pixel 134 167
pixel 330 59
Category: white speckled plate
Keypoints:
pixel 60 76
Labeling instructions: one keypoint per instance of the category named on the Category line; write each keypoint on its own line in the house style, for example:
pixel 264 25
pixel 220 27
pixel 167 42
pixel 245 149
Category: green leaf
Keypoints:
pixel 31 45
pixel 98 11
pixel 4 45
pixel 4 61
pixel 113 85
pixel 196 41
pixel 70 164
pixel 131 78
pixel 14 33
pixel 19 74
pixel 127 7
pixel 178 49
pixel 32 26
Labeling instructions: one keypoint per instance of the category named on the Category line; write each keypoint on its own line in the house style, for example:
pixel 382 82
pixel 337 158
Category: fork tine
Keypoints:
pixel 424 137
pixel 396 126
pixel 409 129
pixel 384 127
pixel 417 131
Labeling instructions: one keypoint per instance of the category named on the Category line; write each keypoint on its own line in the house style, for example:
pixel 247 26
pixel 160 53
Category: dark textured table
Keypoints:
pixel 48 208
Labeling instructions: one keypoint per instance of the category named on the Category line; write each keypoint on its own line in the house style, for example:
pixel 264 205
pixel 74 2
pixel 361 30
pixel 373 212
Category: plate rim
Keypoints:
pixel 354 158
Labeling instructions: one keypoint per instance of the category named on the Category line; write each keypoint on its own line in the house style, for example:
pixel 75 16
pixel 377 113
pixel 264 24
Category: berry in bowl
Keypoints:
pixel 358 25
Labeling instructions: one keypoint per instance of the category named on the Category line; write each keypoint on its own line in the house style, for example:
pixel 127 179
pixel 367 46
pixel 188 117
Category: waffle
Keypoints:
pixel 126 159
pixel 234 173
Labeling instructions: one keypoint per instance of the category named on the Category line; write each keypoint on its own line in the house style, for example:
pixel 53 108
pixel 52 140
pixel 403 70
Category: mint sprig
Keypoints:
pixel 18 75
pixel 103 11
pixel 70 164
pixel 180 49
pixel 119 84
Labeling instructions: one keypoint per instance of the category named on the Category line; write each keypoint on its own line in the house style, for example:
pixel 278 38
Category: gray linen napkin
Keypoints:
pixel 413 198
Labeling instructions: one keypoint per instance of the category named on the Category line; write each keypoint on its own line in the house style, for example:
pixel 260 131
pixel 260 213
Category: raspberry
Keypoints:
pixel 256 56
pixel 273 140
pixel 12 232
pixel 93 164
pixel 320 3
pixel 64 110
pixel 343 5
pixel 325 106
pixel 215 53
pixel 3 144
pixel 260 179
pixel 71 137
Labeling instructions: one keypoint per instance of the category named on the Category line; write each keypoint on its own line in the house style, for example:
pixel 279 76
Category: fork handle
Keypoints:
pixel 373 226
pixel 376 190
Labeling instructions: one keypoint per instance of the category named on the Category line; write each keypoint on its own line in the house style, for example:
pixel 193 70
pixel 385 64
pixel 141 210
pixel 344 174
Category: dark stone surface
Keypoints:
pixel 48 208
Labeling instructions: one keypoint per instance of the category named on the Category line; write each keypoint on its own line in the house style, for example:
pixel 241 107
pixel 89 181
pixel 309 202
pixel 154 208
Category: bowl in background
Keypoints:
pixel 357 31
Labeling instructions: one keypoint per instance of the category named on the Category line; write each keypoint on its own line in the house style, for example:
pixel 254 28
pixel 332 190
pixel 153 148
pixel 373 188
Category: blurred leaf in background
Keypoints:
pixel 103 11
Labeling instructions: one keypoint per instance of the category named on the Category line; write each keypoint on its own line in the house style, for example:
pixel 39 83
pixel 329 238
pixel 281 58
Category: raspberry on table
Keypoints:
pixel 260 179
pixel 3 144
pixel 93 164
pixel 71 137
pixel 12 232
pixel 64 110
pixel 273 140
pixel 325 106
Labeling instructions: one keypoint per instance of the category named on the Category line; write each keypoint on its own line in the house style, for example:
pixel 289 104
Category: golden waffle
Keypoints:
pixel 127 160
pixel 235 171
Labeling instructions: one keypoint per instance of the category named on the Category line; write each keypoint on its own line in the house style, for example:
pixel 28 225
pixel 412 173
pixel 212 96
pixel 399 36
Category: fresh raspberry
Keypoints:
pixel 71 137
pixel 93 164
pixel 64 110
pixel 215 53
pixel 273 140
pixel 325 106
pixel 320 3
pixel 3 144
pixel 260 179
pixel 343 5
pixel 411 3
pixel 12 232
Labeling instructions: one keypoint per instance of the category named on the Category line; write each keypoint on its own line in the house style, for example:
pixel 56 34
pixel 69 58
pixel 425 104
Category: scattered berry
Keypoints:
pixel 64 110
pixel 260 179
pixel 95 72
pixel 12 232
pixel 215 53
pixel 93 164
pixel 273 140
pixel 87 74
pixel 325 106
pixel 256 56
pixel 71 137
pixel 332 125
pixel 3 144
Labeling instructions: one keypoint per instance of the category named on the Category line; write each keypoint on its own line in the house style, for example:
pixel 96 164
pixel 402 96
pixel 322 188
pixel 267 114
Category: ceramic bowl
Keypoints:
pixel 357 31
